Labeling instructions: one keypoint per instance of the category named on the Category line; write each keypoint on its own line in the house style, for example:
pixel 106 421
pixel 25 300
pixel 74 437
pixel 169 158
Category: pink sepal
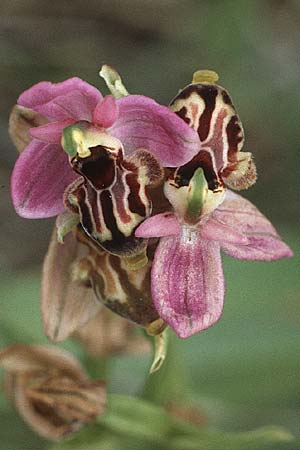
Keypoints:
pixel 264 243
pixel 40 177
pixel 143 123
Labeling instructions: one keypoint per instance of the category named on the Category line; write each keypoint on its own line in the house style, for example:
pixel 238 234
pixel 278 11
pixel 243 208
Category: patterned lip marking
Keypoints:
pixel 111 198
pixel 125 292
pixel 208 109
pixel 99 168
pixel 209 95
pixel 203 159
pixel 216 120
pixel 234 136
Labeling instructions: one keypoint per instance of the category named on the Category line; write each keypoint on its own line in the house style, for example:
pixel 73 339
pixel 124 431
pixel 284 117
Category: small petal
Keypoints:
pixel 187 282
pixel 51 133
pixel 20 121
pixel 164 224
pixel 106 112
pixel 264 243
pixel 67 304
pixel 39 179
pixel 45 91
pixel 143 123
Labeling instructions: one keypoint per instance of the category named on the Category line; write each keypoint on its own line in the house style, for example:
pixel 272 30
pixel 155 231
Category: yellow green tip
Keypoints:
pixel 205 76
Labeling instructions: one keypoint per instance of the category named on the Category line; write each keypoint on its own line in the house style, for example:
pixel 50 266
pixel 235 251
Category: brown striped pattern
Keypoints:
pixel 124 291
pixel 208 109
pixel 111 198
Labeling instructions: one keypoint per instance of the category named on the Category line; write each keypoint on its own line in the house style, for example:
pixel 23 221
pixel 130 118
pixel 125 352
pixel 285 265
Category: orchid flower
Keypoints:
pixel 127 169
pixel 187 281
pixel 97 156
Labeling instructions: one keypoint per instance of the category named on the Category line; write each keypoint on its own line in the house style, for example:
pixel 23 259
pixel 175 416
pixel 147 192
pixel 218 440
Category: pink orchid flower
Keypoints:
pixel 43 172
pixel 187 281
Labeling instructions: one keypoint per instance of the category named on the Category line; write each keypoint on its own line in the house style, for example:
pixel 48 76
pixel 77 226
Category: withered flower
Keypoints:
pixel 50 389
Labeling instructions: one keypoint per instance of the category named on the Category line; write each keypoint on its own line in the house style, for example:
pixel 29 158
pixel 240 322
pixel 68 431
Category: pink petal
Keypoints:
pixel 45 91
pixel 264 243
pixel 143 123
pixel 106 112
pixel 187 282
pixel 164 224
pixel 40 177
pixel 50 133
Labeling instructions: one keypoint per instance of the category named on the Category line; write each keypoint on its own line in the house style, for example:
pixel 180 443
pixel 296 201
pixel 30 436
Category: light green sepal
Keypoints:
pixel 160 351
pixel 113 81
pixel 196 196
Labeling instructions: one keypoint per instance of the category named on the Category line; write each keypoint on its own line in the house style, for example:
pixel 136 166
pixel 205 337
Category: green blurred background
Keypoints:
pixel 243 372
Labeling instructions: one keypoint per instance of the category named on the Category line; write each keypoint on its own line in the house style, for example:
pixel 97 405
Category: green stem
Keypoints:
pixel 96 367
pixel 171 382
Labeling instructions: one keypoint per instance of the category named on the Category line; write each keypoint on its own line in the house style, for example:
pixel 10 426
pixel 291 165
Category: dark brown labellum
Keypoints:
pixel 112 198
pixel 208 109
